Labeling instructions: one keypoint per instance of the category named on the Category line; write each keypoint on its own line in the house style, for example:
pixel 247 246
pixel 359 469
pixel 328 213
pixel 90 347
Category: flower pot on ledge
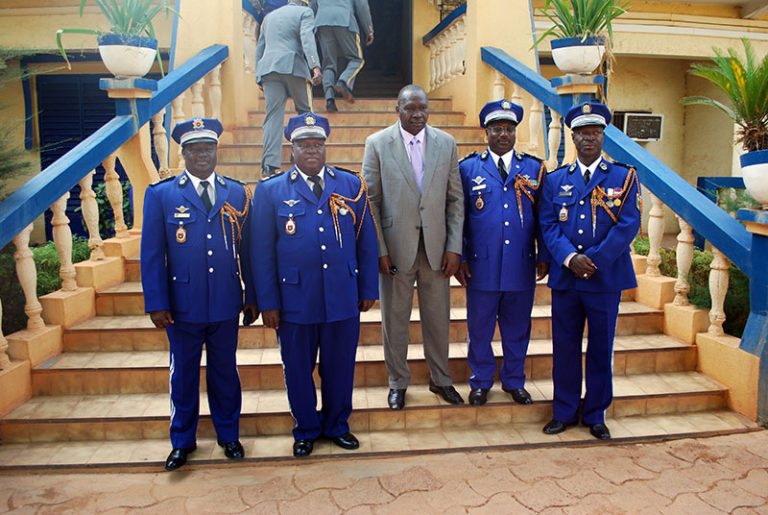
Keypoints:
pixel 578 55
pixel 754 168
pixel 127 56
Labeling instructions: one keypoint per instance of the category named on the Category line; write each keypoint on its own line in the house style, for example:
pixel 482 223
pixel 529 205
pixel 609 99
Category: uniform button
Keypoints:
pixel 581 203
pixel 580 247
pixel 506 223
pixel 506 206
pixel 283 279
pixel 208 236
pixel 506 242
pixel 355 270
pixel 210 220
pixel 325 265
pixel 210 253
pixel 174 277
pixel 322 247
pixel 581 231
pixel 582 217
pixel 505 188
pixel 321 229
pixel 210 270
pixel 319 211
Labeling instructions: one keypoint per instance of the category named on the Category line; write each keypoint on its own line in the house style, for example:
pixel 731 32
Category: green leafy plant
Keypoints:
pixel 106 216
pixel 581 18
pixel 125 17
pixel 745 84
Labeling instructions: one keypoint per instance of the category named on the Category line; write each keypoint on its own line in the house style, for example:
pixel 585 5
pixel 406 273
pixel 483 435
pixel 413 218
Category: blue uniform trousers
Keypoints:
pixel 513 311
pixel 221 376
pixel 337 345
pixel 570 309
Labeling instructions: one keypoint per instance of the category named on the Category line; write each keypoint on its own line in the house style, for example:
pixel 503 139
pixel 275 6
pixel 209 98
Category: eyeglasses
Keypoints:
pixel 199 151
pixel 496 130
pixel 309 146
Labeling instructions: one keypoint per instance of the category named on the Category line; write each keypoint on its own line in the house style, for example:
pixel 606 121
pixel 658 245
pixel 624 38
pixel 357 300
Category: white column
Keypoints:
pixel 27 274
pixel 90 211
pixel 178 116
pixel 655 234
pixel 553 140
pixel 214 92
pixel 498 86
pixel 62 238
pixel 160 139
pixel 684 260
pixel 718 286
pixel 535 122
pixel 198 102
pixel 115 195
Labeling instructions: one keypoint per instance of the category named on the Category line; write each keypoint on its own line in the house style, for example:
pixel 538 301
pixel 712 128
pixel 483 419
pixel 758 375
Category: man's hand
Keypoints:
pixel 369 39
pixel 582 267
pixel 161 318
pixel 450 264
pixel 542 269
pixel 365 304
pixel 317 76
pixel 384 265
pixel 463 273
pixel 271 318
pixel 250 313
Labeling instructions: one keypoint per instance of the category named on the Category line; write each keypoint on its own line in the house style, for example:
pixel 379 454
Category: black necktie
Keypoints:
pixel 502 170
pixel 204 196
pixel 587 175
pixel 316 188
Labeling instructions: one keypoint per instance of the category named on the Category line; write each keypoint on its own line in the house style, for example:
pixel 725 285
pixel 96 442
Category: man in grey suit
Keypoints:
pixel 417 201
pixel 285 53
pixel 339 25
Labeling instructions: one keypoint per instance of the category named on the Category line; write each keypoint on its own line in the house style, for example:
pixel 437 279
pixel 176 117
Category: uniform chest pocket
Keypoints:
pixel 293 220
pixel 564 206
pixel 478 199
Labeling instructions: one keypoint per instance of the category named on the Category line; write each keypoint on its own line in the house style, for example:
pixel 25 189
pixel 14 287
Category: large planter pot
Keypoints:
pixel 127 56
pixel 754 168
pixel 574 55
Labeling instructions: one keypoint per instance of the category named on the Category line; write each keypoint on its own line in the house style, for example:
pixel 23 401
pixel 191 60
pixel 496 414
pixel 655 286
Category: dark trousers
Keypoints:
pixel 221 377
pixel 570 309
pixel 336 344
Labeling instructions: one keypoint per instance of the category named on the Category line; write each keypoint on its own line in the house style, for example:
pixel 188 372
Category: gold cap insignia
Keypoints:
pixel 309 119
pixel 586 109
pixel 506 104
pixel 197 123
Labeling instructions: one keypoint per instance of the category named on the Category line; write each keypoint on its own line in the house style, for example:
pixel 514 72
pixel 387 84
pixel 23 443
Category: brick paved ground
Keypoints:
pixel 727 474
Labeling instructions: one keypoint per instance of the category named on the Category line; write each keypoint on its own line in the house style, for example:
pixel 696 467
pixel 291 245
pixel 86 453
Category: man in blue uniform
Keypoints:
pixel 499 263
pixel 315 262
pixel 590 213
pixel 190 273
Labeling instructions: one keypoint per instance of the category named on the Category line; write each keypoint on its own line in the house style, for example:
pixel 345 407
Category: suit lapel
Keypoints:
pixel 328 188
pixel 189 193
pixel 492 169
pixel 222 194
pixel 302 188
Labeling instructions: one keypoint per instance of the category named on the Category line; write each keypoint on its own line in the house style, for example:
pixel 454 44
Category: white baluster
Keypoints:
pixel 5 362
pixel 498 86
pixel 160 139
pixel 115 195
pixel 570 148
pixel 718 287
pixel 198 102
pixel 247 31
pixel 517 94
pixel 439 39
pixel 684 260
pixel 178 116
pixel 460 46
pixel 62 238
pixel 553 140
pixel 90 211
pixel 432 66
pixel 535 122
pixel 27 274
pixel 453 56
pixel 214 92
pixel 655 234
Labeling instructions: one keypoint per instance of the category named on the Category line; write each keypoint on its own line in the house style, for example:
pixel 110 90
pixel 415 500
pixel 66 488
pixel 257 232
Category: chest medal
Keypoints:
pixel 290 227
pixel 563 214
pixel 479 203
pixel 181 235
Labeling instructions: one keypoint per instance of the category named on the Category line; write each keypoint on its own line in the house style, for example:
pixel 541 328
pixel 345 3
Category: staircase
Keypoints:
pixel 103 403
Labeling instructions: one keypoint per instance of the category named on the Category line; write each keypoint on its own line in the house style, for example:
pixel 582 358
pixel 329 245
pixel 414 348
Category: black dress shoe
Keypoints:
pixel 346 441
pixel 448 393
pixel 233 450
pixel 519 395
pixel 555 426
pixel 343 90
pixel 303 448
pixel 178 457
pixel 330 106
pixel 396 398
pixel 599 431
pixel 478 396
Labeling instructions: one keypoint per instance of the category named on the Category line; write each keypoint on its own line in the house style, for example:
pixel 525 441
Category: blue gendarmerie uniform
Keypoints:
pixel 599 219
pixel 190 267
pixel 313 259
pixel 500 234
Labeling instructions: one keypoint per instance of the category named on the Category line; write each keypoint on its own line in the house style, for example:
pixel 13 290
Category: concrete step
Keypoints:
pixel 136 454
pixel 265 412
pixel 89 373
pixel 357 134
pixel 335 152
pixel 136 332
pixel 437 118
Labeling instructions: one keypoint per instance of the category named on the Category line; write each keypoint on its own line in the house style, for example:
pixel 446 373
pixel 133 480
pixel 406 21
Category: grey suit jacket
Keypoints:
pixel 400 211
pixel 287 43
pixel 344 13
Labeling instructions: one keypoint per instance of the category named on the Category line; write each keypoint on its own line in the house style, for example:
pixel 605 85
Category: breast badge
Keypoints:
pixel 479 203
pixel 563 217
pixel 290 227
pixel 181 235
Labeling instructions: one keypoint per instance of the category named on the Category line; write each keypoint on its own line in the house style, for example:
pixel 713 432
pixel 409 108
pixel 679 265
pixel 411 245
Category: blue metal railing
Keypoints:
pixel 33 198
pixel 725 233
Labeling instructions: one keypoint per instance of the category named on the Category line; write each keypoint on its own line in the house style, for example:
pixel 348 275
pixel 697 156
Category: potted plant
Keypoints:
pixel 745 84
pixel 130 46
pixel 581 27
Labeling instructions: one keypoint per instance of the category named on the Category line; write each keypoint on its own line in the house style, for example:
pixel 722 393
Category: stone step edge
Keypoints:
pixel 331 452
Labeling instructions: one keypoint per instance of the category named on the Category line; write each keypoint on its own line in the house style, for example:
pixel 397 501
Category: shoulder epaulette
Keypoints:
pixel 276 174
pixel 172 177
pixel 342 169
pixel 537 158
pixel 621 164
pixel 471 154
pixel 238 181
